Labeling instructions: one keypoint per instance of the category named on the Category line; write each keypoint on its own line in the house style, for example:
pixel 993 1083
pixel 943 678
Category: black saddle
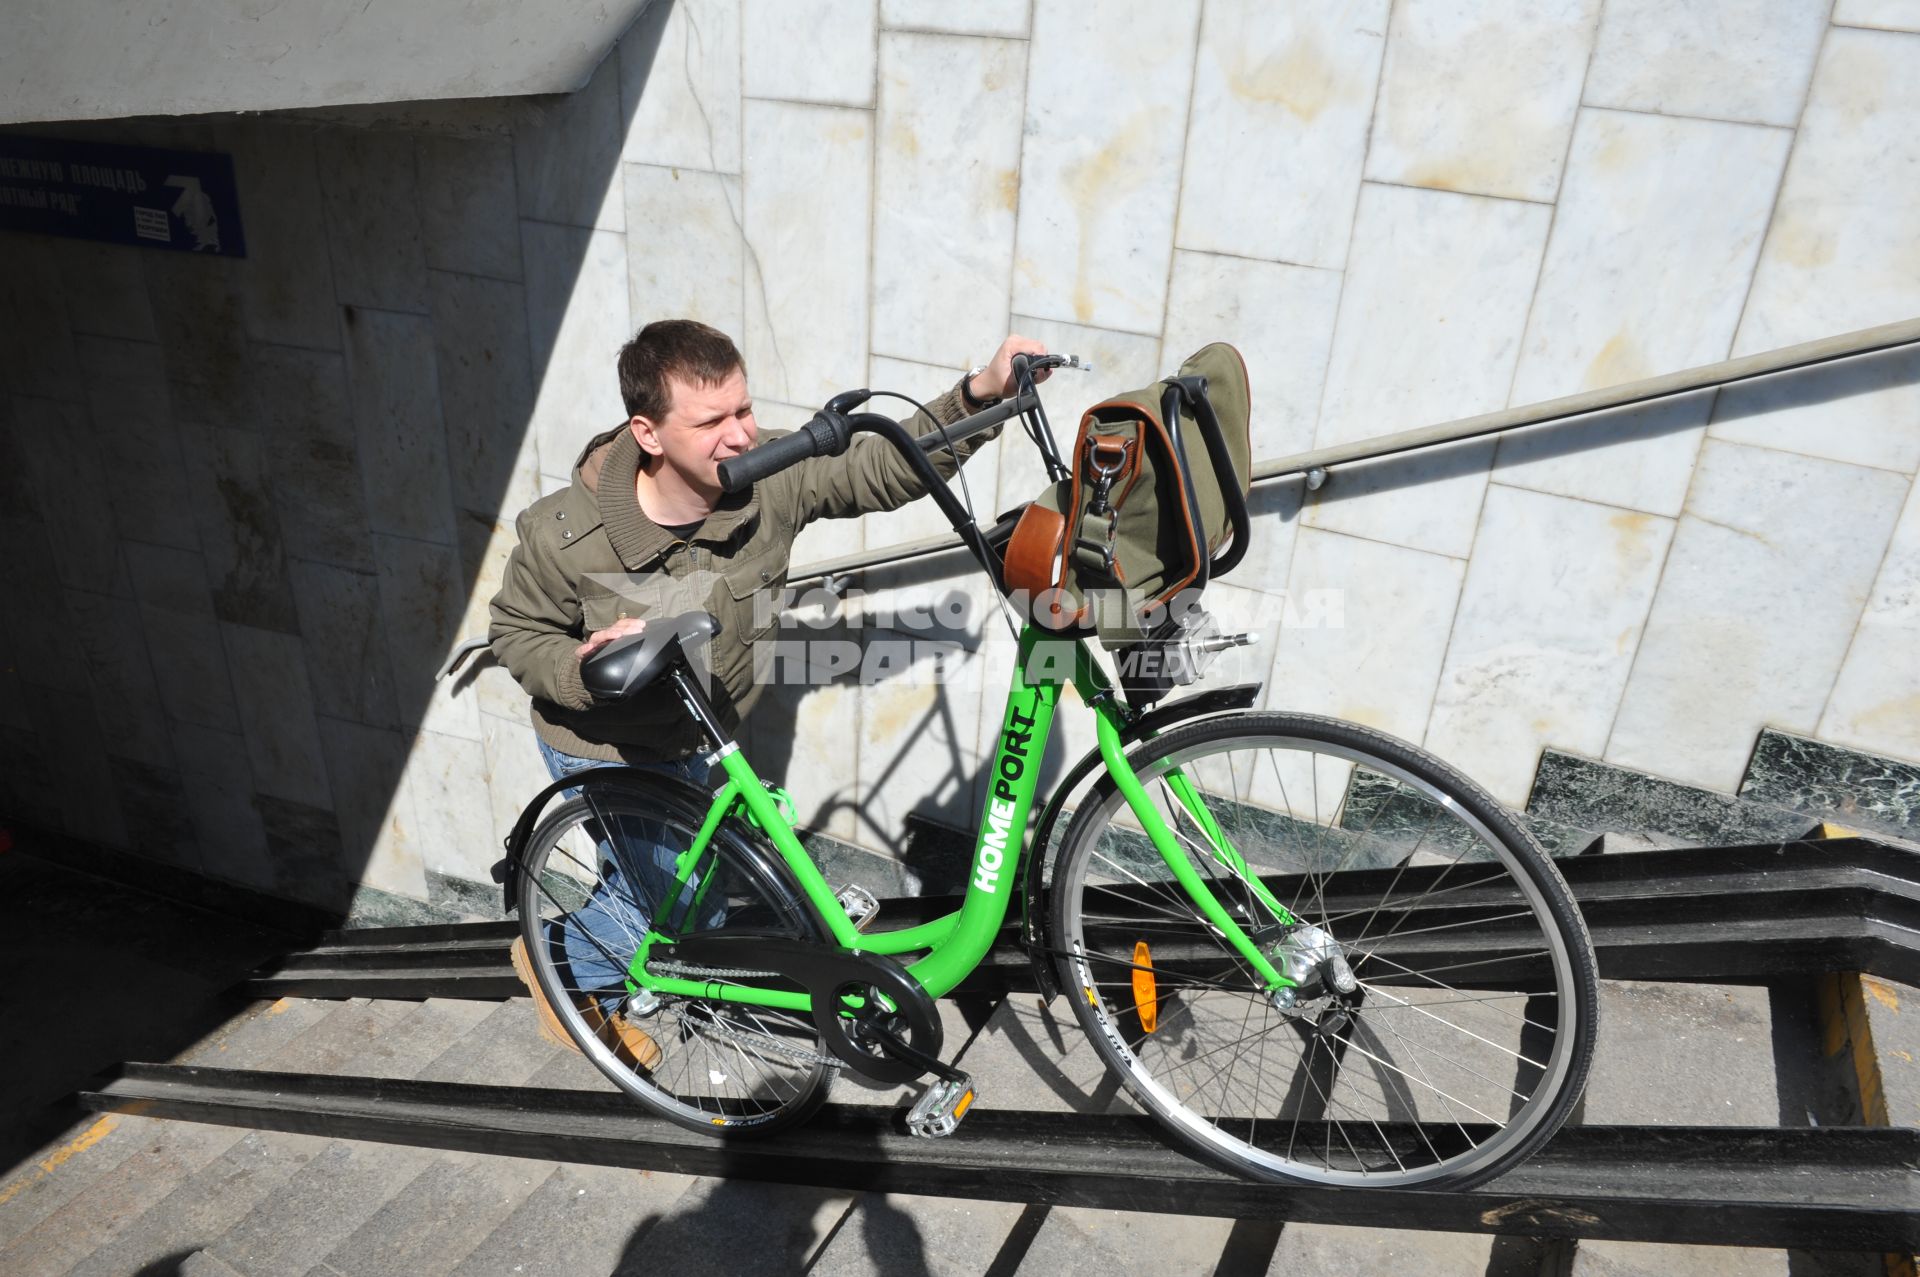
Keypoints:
pixel 628 664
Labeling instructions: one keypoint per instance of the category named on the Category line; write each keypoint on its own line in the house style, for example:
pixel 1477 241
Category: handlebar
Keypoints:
pixel 831 429
pixel 826 435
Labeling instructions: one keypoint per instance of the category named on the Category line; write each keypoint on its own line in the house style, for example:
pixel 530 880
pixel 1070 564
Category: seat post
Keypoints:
pixel 695 699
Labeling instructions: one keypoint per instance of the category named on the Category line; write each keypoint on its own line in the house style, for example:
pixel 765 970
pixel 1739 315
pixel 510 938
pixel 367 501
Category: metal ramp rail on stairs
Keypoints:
pixel 1735 915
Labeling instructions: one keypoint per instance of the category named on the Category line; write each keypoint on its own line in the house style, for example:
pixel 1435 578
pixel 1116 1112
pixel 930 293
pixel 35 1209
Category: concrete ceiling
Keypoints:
pixel 104 59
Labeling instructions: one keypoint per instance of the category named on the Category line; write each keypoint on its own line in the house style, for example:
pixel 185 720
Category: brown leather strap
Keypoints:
pixel 1034 548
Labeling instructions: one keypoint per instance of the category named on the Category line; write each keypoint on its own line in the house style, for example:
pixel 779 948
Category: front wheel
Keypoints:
pixel 1446 998
pixel 597 872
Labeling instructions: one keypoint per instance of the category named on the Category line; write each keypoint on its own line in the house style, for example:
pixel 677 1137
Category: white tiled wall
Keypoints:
pixel 274 492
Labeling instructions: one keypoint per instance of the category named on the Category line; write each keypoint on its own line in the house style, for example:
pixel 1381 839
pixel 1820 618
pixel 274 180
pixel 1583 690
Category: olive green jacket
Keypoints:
pixel 588 556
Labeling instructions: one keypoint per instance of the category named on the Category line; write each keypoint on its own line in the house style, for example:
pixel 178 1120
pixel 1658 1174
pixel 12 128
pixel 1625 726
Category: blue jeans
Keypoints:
pixel 637 870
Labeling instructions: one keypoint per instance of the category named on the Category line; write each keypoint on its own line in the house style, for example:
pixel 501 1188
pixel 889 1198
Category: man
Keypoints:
pixel 645 509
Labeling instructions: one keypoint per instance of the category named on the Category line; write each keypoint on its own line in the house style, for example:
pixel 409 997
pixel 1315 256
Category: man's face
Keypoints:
pixel 704 426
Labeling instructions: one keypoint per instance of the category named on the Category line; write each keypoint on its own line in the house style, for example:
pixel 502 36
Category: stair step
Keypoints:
pixel 208 1204
pixel 1125 1243
pixel 581 1219
pixel 901 1233
pixel 742 1228
pixel 1683 1054
pixel 1649 1259
pixel 252 1037
pixel 431 1224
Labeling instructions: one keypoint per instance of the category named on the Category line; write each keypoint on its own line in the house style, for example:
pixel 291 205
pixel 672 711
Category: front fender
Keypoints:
pixel 1034 927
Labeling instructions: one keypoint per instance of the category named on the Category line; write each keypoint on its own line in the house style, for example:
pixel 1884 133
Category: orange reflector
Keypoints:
pixel 1146 1000
pixel 966 1102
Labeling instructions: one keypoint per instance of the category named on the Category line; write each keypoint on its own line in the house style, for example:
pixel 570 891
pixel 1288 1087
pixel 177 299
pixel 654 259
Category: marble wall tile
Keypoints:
pixel 809 179
pixel 1121 362
pixel 1480 98
pixel 140 449
pixel 288 286
pixel 485 542
pixel 107 637
pixel 65 464
pixel 376 826
pixel 446 785
pixel 1549 621
pixel 171 579
pixel 154 803
pixel 985 17
pixel 345 646
pixel 919 743
pixel 104 287
pixel 1281 101
pixel 1840 255
pixel 190 668
pixel 1280 318
pixel 1097 196
pixel 486 390
pixel 239 526
pixel 1728 59
pixel 1429 329
pixel 402 445
pixel 34 323
pixel 947 181
pixel 1657 232
pixel 1887 15
pixel 685 252
pixel 1369 631
pixel 423 596
pixel 467 204
pixel 515 773
pixel 566 155
pixel 303 847
pixel 87 808
pixel 788 724
pixel 1865 411
pixel 1863 791
pixel 1716 662
pixel 217 786
pixel 577 320
pixel 680 86
pixel 921 518
pixel 275 701
pixel 808 50
pixel 373 219
pixel 305 413
pixel 1876 702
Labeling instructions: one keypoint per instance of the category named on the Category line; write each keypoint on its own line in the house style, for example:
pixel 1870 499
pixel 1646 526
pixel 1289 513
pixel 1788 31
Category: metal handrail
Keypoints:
pixel 1317 464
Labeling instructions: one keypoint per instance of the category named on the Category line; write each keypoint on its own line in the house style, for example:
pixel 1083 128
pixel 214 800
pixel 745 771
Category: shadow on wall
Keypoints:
pixel 249 504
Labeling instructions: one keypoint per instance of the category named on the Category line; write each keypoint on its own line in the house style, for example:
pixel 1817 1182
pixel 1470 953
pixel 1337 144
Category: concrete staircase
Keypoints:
pixel 121 1195
pixel 124 1194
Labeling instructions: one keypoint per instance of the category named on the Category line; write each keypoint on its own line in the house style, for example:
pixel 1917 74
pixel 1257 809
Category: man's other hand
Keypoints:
pixel 600 638
pixel 995 381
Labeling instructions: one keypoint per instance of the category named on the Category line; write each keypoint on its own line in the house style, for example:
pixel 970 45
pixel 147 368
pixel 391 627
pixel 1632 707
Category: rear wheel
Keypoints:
pixel 596 873
pixel 1447 997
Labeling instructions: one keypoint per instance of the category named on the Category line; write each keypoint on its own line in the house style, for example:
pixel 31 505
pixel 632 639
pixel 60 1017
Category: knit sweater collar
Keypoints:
pixel 637 539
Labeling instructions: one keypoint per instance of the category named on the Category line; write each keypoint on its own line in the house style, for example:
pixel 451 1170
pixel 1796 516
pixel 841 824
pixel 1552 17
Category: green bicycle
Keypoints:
pixel 1312 951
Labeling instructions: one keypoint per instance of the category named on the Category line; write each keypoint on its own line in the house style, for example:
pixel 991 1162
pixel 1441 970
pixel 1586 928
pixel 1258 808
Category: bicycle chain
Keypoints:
pixel 758 1042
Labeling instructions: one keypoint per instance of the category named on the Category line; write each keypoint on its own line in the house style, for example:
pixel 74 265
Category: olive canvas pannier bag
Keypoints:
pixel 1159 484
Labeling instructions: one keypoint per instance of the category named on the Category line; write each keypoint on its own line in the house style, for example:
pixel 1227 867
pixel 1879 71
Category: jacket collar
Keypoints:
pixel 637 539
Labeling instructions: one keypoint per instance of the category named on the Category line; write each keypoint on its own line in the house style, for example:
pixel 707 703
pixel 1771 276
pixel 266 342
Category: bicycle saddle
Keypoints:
pixel 628 664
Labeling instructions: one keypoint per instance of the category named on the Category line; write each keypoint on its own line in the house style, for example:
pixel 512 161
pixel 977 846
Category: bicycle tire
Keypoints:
pixel 725 1067
pixel 1474 982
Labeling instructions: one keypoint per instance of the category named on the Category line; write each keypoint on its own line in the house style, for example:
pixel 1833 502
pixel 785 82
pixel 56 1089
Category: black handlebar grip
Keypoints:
pixel 825 435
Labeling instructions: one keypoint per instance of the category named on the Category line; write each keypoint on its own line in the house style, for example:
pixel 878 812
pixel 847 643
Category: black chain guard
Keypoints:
pixel 826 973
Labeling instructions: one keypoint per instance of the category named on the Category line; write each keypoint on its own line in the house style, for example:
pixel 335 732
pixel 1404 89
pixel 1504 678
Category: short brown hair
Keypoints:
pixel 683 348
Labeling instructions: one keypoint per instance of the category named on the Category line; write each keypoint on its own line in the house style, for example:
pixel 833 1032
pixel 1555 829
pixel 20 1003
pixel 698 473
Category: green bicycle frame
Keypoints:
pixel 952 946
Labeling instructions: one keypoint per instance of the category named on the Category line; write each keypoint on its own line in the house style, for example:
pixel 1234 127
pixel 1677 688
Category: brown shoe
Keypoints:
pixel 630 1044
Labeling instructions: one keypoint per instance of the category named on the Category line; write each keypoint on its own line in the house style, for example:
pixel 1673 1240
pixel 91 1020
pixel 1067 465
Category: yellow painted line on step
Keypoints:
pixel 1844 1026
pixel 79 1144
pixel 1830 830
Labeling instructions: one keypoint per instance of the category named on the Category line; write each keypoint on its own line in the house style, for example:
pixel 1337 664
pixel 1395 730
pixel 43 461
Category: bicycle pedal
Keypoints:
pixel 860 905
pixel 938 1112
